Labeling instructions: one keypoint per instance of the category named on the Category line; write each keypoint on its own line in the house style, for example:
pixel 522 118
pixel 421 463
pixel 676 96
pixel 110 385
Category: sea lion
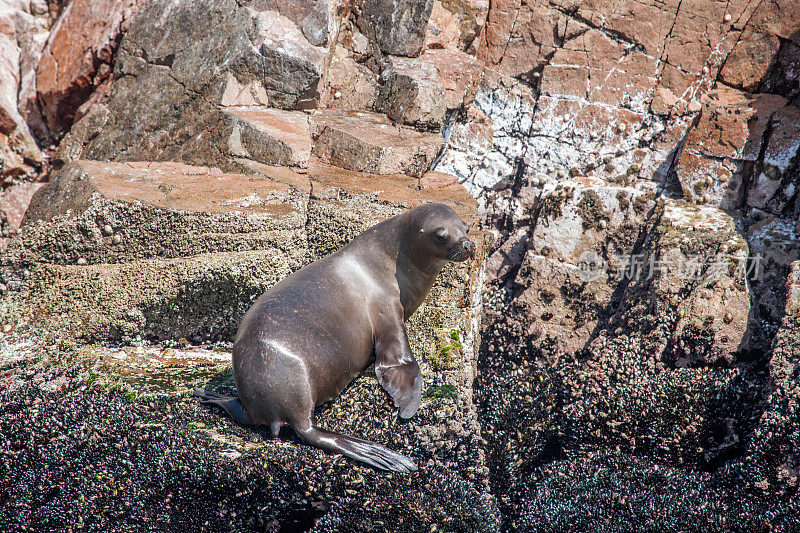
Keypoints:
pixel 311 334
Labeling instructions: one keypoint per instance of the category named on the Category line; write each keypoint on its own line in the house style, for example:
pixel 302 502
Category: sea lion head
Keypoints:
pixel 440 233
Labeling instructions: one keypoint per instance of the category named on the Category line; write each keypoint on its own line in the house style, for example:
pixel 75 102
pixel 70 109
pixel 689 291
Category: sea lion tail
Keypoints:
pixel 231 404
pixel 365 451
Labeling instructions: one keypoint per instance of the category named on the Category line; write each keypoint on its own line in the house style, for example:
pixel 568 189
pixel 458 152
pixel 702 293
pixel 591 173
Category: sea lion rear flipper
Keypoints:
pixel 398 372
pixel 231 404
pixel 362 450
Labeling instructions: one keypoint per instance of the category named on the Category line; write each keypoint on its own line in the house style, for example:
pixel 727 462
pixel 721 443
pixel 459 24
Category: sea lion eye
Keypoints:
pixel 440 236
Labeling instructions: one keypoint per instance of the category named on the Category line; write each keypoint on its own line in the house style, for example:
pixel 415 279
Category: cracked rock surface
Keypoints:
pixel 622 354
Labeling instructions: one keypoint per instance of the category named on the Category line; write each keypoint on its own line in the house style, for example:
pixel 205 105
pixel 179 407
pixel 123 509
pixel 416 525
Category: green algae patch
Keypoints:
pixel 442 391
pixel 154 371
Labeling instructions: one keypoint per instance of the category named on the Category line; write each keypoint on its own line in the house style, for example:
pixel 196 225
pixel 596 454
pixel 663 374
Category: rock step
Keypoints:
pixel 369 142
pixel 167 250
pixel 98 212
pixel 271 136
pixel 354 140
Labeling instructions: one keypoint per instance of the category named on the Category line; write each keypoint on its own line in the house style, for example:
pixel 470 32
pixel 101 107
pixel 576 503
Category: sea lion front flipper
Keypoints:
pixel 397 370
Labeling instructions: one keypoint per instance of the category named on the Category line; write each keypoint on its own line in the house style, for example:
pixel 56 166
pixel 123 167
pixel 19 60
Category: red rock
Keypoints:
pixel 170 186
pixel 456 24
pixel 708 170
pixel 686 86
pixel 750 61
pixel 13 204
pixel 764 105
pixel 369 142
pixel 698 32
pixel 421 90
pixel 646 23
pixel 497 31
pixel 596 67
pixel 270 136
pixel 79 56
pixel 780 18
pixel 443 28
pixel 732 130
pixel 723 129
pixel 663 101
pixel 566 80
pixel 519 38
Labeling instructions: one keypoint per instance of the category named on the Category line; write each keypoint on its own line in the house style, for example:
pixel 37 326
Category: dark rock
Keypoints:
pixel 178 63
pixel 398 26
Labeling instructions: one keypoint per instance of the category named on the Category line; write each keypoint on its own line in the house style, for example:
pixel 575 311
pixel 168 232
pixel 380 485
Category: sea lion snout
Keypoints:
pixel 462 250
pixel 466 244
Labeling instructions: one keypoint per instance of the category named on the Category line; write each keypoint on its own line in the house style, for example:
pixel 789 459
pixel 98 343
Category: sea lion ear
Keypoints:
pixel 404 384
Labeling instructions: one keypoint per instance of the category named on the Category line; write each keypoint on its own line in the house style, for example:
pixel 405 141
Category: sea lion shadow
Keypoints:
pixel 224 383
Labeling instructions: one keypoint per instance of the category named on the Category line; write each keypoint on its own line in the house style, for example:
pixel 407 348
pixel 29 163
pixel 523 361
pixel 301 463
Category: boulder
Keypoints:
pixel 350 85
pixel 421 91
pixel 292 65
pixel 712 166
pixel 369 142
pixel 14 202
pixel 397 26
pixel 456 24
pixel 270 136
pixel 141 237
pixel 688 288
pixel 581 236
pixel 145 243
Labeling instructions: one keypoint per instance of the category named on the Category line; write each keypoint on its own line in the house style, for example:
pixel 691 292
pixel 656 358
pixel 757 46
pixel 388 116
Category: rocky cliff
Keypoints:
pixel 621 355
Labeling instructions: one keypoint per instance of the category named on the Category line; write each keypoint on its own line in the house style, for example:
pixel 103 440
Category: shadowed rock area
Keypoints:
pixel 620 355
